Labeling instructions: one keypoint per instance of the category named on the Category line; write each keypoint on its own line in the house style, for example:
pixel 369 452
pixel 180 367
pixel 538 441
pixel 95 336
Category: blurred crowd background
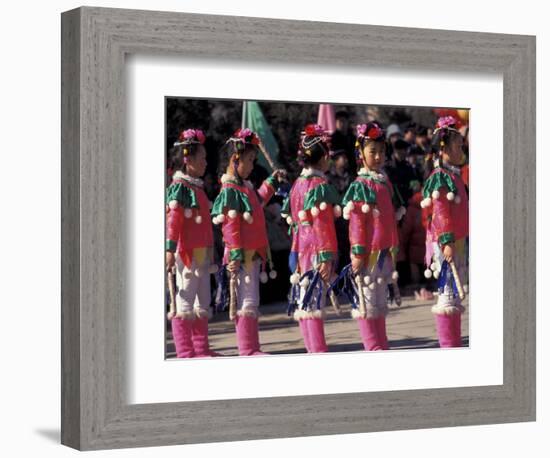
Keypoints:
pixel 409 160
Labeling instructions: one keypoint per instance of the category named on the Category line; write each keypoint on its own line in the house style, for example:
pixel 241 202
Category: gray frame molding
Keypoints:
pixel 94 44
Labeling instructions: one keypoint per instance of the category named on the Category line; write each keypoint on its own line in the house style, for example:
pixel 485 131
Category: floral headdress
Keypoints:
pixel 243 137
pixel 370 131
pixel 443 126
pixel 309 137
pixel 190 137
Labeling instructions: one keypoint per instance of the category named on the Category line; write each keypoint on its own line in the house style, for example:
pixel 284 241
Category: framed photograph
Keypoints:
pixel 165 112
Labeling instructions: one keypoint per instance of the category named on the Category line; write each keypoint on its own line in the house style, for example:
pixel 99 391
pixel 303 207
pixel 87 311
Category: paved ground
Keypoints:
pixel 410 326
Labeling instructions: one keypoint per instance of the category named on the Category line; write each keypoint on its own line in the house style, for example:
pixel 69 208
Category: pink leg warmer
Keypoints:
pixel 446 329
pixel 305 334
pixel 381 326
pixel 316 330
pixel 248 339
pixel 369 330
pixel 182 332
pixel 200 338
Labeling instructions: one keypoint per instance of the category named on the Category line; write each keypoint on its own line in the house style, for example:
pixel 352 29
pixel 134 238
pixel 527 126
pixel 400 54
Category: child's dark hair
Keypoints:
pixel 444 132
pixel 187 145
pixel 313 146
pixel 243 141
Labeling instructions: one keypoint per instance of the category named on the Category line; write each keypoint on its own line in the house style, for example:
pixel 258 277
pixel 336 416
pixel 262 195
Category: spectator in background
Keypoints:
pixel 393 133
pixel 410 134
pixel 400 171
pixel 342 140
pixel 418 152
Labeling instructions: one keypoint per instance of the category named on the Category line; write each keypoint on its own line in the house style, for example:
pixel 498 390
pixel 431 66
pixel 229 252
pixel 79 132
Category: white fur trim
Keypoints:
pixel 232 213
pixel 302 214
pixel 173 204
pixel 203 313
pixel 198 219
pixel 186 315
pixel 365 208
pixel 428 273
pixel 450 196
pixel 248 217
pixel 188 213
pixel 323 206
pixel 263 277
pixel 299 314
pixel 435 194
pixel 273 274
pixel 295 278
pixel 457 199
pixel 304 283
pixel 314 211
pixel 252 312
pixel 447 309
pixel 394 275
pixel 376 213
pixel 289 220
pixel 337 211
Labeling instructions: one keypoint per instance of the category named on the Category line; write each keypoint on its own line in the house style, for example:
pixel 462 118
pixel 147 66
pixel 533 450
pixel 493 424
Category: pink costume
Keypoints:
pixel 370 204
pixel 446 199
pixel 189 235
pixel 239 209
pixel 309 210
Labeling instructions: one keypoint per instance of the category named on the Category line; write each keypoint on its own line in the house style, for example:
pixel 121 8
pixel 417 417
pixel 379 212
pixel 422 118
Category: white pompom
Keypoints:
pixel 215 220
pixel 263 277
pixel 428 273
pixel 424 203
pixel 248 217
pixel 433 266
pixel 304 283
pixel 273 274
pixel 295 278
pixel 232 213
pixel 284 215
pixel 198 272
pixel 289 220
pixel 376 213
pixel 450 196
pixel 212 269
pixel 188 213
pixel 323 206
pixel 457 199
pixel 337 211
pixel 173 204
pixel 436 274
pixel 366 279
pixel 465 287
pixel 247 279
pixel 372 286
pixel 380 280
pixel 349 206
pixel 221 218
pixel 394 275
pixel 435 194
pixel 346 214
pixel 314 211
pixel 365 208
pixel 198 219
pixel 302 214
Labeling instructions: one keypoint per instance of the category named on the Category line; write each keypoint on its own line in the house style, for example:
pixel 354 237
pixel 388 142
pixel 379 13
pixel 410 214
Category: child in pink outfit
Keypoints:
pixel 239 209
pixel 446 200
pixel 309 210
pixel 189 246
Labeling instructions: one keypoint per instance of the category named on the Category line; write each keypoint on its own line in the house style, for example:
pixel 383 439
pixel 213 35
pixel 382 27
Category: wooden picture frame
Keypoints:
pixel 95 41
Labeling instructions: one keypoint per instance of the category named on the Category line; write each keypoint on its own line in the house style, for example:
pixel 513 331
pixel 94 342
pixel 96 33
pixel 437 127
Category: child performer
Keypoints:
pixel 239 208
pixel 446 198
pixel 372 206
pixel 189 245
pixel 310 209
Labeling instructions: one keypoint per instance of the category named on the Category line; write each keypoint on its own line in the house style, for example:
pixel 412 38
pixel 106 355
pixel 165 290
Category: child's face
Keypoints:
pixel 196 163
pixel 246 163
pixel 373 154
pixel 453 153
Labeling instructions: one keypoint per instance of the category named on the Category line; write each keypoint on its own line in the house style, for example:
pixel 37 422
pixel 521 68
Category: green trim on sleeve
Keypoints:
pixel 325 256
pixel 324 192
pixel 286 205
pixel 271 181
pixel 359 192
pixel 358 249
pixel 236 254
pixel 231 199
pixel 436 181
pixel 184 195
pixel 171 246
pixel 446 238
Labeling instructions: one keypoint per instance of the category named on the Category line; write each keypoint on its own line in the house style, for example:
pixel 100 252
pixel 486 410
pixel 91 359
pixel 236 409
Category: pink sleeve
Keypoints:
pixel 441 218
pixel 325 234
pixel 231 230
pixel 174 226
pixel 360 224
pixel 266 190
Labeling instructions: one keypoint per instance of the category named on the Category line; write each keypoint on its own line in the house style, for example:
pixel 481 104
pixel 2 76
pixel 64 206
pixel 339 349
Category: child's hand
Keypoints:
pixel 448 252
pixel 280 174
pixel 325 271
pixel 356 264
pixel 234 266
pixel 170 261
